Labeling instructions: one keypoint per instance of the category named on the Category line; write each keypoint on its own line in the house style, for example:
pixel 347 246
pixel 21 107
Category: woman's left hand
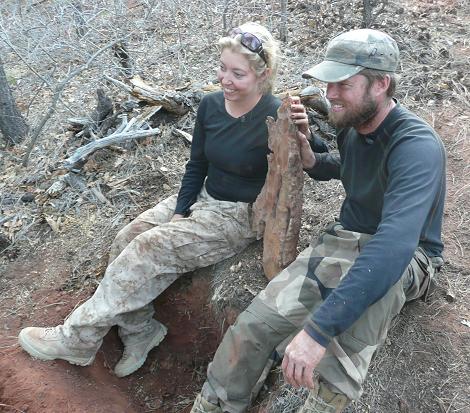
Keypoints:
pixel 299 116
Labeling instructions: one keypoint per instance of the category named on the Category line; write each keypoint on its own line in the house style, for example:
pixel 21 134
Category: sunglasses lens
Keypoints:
pixel 251 42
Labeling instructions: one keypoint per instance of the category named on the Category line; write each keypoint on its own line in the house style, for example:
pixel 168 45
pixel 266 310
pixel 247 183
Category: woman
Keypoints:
pixel 207 222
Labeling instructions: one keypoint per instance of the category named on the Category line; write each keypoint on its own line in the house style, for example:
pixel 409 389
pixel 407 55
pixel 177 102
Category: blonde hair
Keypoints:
pixel 270 48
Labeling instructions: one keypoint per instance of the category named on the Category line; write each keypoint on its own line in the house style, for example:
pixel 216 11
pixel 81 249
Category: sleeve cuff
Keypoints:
pixel 313 331
pixel 319 157
pixel 180 212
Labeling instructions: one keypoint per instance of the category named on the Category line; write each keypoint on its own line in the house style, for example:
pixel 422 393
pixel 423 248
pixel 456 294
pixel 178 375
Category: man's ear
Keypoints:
pixel 381 85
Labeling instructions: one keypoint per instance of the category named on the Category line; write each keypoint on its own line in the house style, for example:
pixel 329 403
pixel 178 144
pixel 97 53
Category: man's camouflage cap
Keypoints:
pixel 353 51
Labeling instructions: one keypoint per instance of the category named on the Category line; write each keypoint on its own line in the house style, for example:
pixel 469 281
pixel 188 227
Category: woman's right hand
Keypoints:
pixel 299 115
pixel 300 118
pixel 175 217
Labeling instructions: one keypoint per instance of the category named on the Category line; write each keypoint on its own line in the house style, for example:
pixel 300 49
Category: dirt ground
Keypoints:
pixel 58 247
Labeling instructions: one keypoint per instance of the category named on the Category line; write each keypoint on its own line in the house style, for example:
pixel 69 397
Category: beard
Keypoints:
pixel 355 116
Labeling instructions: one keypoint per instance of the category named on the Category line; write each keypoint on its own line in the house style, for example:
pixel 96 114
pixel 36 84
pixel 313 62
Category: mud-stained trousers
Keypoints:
pixel 264 329
pixel 148 255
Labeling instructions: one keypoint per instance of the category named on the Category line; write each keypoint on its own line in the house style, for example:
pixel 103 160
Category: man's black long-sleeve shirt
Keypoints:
pixel 394 180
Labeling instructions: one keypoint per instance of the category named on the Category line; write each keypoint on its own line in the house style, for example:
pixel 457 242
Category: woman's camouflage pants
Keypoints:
pixel 245 355
pixel 148 255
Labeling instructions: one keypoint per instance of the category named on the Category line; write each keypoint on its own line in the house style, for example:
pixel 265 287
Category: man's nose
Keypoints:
pixel 331 91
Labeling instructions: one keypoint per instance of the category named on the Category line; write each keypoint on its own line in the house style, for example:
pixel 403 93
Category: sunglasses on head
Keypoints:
pixel 250 41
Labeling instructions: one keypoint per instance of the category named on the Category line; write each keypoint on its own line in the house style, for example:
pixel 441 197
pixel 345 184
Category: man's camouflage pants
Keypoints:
pixel 264 329
pixel 148 255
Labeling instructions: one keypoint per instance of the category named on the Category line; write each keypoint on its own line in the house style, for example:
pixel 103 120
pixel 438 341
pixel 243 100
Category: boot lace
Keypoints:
pixel 50 332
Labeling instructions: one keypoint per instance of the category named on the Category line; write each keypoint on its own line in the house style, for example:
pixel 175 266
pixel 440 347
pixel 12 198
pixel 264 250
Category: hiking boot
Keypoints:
pixel 323 400
pixel 137 348
pixel 201 405
pixel 49 344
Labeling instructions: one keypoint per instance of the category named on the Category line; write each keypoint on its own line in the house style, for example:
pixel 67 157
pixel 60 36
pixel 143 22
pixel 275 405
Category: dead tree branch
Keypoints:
pixel 99 121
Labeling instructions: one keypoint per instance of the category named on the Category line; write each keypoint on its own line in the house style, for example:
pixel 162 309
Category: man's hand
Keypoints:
pixel 300 118
pixel 300 359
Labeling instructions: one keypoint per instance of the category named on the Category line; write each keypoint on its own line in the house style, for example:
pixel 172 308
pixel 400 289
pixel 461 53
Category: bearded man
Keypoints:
pixel 328 312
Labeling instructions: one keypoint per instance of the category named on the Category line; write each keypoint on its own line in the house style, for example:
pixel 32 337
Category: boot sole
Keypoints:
pixel 157 339
pixel 35 353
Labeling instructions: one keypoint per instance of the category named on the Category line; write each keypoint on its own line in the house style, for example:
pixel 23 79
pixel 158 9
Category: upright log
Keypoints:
pixel 278 208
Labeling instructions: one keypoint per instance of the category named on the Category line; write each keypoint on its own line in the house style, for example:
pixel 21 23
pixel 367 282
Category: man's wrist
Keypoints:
pixel 318 336
pixel 310 164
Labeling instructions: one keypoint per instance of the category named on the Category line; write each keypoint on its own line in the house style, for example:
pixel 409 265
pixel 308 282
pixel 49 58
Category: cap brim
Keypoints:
pixel 331 72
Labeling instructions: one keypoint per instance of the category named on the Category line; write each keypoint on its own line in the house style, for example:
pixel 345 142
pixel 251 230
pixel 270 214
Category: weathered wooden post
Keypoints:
pixel 278 208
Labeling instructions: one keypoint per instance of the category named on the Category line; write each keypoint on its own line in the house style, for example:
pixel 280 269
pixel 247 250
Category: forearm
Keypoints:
pixel 327 166
pixel 191 185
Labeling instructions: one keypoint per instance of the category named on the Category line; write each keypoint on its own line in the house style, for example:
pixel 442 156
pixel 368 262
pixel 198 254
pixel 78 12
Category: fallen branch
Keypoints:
pixel 170 101
pixel 82 153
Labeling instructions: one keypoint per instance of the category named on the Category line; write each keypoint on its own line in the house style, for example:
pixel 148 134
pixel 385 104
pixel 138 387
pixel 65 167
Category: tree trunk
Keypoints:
pixel 278 208
pixel 125 60
pixel 79 19
pixel 12 125
pixel 283 26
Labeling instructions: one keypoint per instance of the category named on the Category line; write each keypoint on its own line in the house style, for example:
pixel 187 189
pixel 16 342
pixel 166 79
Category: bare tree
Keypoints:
pixel 80 22
pixel 57 91
pixel 283 25
pixel 13 126
pixel 124 58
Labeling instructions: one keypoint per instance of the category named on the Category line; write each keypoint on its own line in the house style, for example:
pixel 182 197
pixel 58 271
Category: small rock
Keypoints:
pixel 27 197
pixel 450 295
